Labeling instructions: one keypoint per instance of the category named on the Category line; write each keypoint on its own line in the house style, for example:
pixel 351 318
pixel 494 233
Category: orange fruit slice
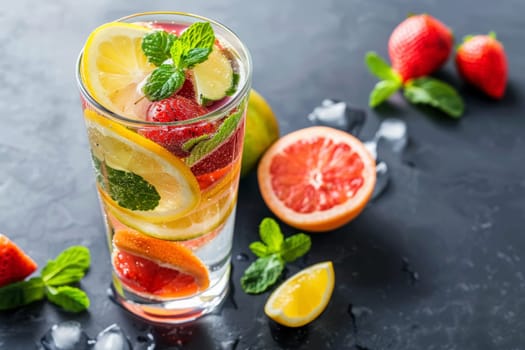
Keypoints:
pixel 302 297
pixel 317 179
pixel 155 268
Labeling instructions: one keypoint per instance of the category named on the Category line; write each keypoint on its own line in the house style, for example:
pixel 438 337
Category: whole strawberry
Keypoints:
pixel 419 45
pixel 481 61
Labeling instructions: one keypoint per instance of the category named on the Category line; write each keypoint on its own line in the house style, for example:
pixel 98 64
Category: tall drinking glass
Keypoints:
pixel 167 168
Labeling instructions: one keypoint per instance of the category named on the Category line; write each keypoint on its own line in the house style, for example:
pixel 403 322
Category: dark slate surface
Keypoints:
pixel 436 263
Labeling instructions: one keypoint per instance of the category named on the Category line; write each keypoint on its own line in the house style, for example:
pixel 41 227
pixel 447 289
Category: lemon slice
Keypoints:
pixel 113 65
pixel 212 78
pixel 302 297
pixel 211 213
pixel 123 149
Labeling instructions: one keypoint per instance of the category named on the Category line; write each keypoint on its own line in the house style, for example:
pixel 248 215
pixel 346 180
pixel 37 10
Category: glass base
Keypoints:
pixel 181 310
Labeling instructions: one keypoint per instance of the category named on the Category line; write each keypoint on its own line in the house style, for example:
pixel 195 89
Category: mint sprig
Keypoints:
pixel 192 47
pixel 425 90
pixel 273 252
pixel 53 283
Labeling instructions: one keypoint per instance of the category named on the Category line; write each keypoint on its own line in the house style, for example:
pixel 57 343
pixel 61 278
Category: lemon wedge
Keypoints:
pixel 113 67
pixel 212 78
pixel 302 297
pixel 125 150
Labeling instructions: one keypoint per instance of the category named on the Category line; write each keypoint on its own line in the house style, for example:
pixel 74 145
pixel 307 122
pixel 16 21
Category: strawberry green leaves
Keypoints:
pixel 69 267
pixel 191 48
pixel 425 90
pixel 273 253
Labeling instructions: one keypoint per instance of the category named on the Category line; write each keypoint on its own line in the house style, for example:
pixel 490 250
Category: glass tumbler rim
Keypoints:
pixel 235 99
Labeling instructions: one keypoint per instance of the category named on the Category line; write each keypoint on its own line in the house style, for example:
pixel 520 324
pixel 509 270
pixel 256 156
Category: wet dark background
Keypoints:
pixel 437 262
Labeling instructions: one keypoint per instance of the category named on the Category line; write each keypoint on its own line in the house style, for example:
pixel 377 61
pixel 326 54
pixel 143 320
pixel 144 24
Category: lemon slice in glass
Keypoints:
pixel 212 78
pixel 302 297
pixel 216 205
pixel 113 67
pixel 122 149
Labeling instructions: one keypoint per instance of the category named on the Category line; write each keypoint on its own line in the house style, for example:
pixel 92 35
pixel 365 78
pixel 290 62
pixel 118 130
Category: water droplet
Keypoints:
pixel 230 344
pixel 242 257
pixel 66 335
pixel 406 267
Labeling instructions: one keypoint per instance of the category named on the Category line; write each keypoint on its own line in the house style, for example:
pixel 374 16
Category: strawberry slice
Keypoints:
pixel 15 265
pixel 176 108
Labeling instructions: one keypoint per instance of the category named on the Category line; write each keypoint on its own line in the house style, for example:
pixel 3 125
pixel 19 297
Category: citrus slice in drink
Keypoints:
pixel 302 297
pixel 153 267
pixel 130 157
pixel 208 216
pixel 113 66
pixel 212 78
pixel 316 179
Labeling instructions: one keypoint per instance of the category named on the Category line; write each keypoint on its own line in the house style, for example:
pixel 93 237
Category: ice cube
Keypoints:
pixel 339 115
pixel 66 335
pixel 112 338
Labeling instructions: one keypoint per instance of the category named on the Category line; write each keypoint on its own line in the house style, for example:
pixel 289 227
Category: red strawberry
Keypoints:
pixel 419 45
pixel 481 61
pixel 15 265
pixel 176 108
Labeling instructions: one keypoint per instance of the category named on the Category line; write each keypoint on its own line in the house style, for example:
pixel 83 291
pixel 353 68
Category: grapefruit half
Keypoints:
pixel 317 179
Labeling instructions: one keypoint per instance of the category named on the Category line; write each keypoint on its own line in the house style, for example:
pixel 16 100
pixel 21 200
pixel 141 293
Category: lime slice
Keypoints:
pixel 113 65
pixel 125 150
pixel 212 78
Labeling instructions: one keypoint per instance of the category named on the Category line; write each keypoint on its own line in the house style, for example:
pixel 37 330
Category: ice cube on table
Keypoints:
pixel 112 338
pixel 339 115
pixel 66 335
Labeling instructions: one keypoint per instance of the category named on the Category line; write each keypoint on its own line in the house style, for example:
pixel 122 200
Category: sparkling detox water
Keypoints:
pixel 146 280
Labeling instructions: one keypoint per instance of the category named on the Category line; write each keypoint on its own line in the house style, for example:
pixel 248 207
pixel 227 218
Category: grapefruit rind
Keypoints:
pixel 326 220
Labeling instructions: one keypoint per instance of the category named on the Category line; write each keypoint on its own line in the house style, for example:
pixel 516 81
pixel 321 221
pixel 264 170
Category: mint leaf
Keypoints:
pixel 295 246
pixel 271 234
pixel 259 249
pixel 196 56
pixel 262 274
pixel 68 267
pixel 21 293
pixel 68 298
pixel 224 131
pixel 188 145
pixel 436 93
pixel 382 91
pixel 130 190
pixel 163 82
pixel 193 46
pixel 156 46
pixel 380 68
